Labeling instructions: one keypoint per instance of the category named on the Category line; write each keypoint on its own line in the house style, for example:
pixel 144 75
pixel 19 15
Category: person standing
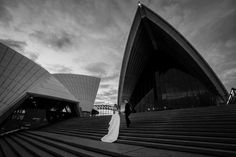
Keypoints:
pixel 128 111
pixel 114 127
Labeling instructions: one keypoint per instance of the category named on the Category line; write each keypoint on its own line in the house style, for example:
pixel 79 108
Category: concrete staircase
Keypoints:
pixel 206 131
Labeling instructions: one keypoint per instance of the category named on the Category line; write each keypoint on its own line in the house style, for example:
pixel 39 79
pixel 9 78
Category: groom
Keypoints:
pixel 128 110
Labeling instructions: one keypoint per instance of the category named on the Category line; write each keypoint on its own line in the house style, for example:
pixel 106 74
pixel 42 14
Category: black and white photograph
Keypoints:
pixel 120 78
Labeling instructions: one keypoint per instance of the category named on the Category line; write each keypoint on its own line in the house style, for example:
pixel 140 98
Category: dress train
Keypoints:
pixel 113 130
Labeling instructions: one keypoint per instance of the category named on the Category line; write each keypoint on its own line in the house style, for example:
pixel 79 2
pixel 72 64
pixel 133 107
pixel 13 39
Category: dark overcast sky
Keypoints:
pixel 89 36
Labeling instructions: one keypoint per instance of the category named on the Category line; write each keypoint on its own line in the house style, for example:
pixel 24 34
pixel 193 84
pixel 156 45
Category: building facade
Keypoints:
pixel 25 84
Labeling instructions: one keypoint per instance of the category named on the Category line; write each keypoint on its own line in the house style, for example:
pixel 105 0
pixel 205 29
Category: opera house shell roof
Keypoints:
pixel 161 67
pixel 20 76
pixel 84 88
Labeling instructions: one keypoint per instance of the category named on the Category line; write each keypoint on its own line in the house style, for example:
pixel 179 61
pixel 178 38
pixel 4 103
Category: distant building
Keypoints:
pixel 104 109
pixel 161 69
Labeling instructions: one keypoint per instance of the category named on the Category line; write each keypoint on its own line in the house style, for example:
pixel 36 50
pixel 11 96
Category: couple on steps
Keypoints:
pixel 114 124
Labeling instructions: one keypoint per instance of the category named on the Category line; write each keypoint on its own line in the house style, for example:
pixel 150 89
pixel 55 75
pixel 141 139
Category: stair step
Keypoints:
pixel 33 149
pixel 90 145
pixel 1 152
pixel 159 127
pixel 90 136
pixel 208 151
pixel 212 145
pixel 185 141
pixel 71 149
pixel 46 147
pixel 165 136
pixel 6 149
pixel 171 132
pixel 201 150
pixel 137 125
pixel 18 148
pixel 158 118
pixel 162 124
pixel 176 129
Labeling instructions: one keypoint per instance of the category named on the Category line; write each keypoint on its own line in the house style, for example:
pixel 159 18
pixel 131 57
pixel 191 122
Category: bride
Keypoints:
pixel 114 126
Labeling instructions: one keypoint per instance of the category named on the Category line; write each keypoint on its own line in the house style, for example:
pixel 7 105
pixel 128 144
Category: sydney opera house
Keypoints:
pixel 30 90
pixel 157 64
pixel 179 103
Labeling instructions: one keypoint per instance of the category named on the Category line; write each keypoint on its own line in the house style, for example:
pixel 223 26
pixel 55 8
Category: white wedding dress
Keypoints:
pixel 113 130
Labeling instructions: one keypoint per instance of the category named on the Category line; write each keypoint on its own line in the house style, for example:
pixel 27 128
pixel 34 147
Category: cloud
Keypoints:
pixel 58 68
pixel 98 69
pixel 20 46
pixel 100 97
pixel 109 92
pixel 33 56
pixel 14 44
pixel 104 86
pixel 213 54
pixel 108 95
pixel 97 102
pixel 5 16
pixel 110 77
pixel 55 40
pixel 229 75
pixel 230 43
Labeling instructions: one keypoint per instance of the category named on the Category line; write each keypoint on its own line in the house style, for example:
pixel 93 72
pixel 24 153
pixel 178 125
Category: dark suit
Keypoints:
pixel 127 113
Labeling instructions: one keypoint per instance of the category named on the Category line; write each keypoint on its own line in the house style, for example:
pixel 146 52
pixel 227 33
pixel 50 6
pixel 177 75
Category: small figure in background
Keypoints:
pixel 94 112
pixel 128 111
